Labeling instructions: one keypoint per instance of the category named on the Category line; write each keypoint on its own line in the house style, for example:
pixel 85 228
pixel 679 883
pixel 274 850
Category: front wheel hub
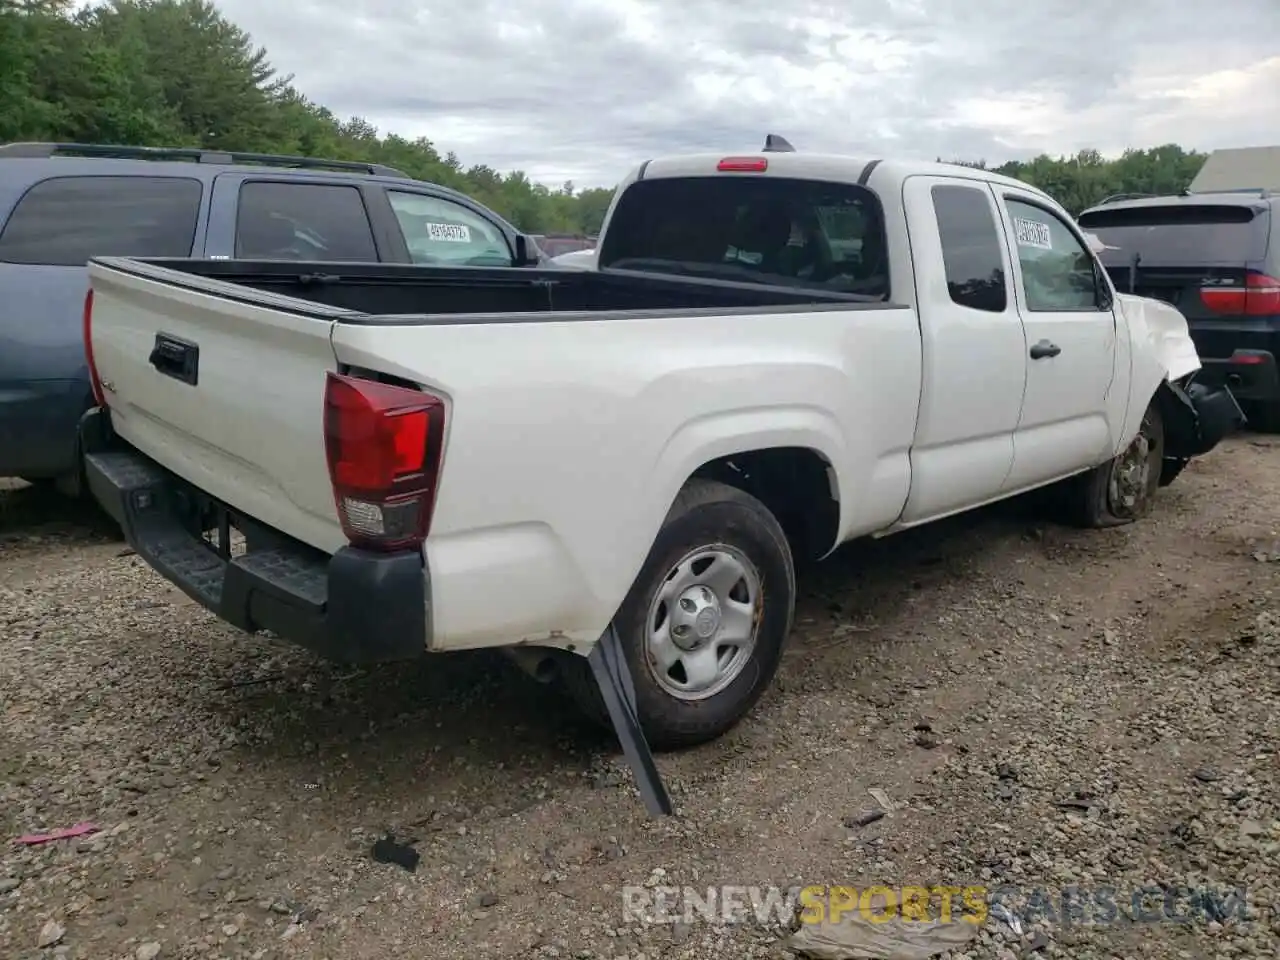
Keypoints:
pixel 695 618
pixel 1131 473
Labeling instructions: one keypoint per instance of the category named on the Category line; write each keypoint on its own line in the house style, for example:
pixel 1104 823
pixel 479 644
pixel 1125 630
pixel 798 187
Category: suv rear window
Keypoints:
pixel 773 230
pixel 1181 234
pixel 65 221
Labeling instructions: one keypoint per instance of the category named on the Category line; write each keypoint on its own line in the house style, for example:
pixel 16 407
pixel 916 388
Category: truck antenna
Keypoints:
pixel 776 144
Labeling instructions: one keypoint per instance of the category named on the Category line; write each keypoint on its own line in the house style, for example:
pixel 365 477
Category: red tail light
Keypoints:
pixel 95 383
pixel 384 445
pixel 1259 297
pixel 743 165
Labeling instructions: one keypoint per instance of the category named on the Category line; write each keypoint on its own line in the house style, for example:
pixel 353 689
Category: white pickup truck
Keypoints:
pixel 776 354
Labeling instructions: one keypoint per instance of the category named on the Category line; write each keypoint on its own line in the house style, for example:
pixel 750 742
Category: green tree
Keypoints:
pixel 178 73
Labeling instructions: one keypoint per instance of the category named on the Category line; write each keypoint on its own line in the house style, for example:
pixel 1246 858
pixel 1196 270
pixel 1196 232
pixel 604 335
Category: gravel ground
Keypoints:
pixel 1042 706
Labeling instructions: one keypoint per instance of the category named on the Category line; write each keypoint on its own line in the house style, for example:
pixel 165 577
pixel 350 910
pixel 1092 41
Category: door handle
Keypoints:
pixel 1045 349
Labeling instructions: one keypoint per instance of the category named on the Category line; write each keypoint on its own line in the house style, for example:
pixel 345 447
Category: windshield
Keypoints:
pixel 1179 234
pixel 774 230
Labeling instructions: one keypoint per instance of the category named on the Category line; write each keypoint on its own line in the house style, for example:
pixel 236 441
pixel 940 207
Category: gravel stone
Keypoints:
pixel 1102 709
pixel 50 933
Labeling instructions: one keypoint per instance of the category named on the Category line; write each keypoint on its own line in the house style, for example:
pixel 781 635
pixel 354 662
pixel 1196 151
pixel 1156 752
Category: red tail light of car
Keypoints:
pixel 384 445
pixel 1259 296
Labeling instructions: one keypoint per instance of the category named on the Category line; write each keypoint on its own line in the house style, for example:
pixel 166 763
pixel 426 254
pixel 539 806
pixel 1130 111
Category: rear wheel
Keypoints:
pixel 1124 488
pixel 704 624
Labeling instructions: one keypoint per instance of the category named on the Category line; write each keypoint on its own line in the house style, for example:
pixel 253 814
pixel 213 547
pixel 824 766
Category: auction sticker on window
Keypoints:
pixel 449 232
pixel 1032 233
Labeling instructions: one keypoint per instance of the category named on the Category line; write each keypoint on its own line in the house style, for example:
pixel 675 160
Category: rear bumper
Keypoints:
pixel 353 607
pixel 1252 375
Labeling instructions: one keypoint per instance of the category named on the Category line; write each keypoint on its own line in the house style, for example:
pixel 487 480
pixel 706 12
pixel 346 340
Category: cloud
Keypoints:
pixel 584 89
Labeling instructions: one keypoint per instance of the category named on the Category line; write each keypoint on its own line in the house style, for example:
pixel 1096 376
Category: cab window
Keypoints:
pixel 971 246
pixel 773 230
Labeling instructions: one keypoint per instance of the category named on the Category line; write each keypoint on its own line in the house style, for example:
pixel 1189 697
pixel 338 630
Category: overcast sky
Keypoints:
pixel 583 89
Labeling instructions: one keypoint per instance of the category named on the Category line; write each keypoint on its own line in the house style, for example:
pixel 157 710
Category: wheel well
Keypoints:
pixel 798 487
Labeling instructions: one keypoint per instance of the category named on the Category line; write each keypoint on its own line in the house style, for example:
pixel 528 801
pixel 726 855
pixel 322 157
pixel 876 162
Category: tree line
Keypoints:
pixel 178 73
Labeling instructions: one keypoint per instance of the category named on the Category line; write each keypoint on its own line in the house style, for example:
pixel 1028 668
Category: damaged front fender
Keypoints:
pixel 1163 367
pixel 1161 344
pixel 1196 417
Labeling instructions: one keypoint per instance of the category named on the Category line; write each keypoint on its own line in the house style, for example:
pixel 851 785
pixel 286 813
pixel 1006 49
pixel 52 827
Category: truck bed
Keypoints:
pixel 216 372
pixel 394 293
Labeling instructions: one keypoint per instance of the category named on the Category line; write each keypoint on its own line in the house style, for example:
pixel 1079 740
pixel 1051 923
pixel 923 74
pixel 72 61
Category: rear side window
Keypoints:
pixel 66 221
pixel 773 230
pixel 303 221
pixel 1181 234
pixel 970 248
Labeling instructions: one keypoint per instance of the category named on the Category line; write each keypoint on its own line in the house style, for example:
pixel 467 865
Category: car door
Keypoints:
pixel 1067 316
pixel 273 216
pixel 973 347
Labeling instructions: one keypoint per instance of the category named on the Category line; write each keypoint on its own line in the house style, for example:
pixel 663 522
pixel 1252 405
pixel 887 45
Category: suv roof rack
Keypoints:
pixel 196 154
pixel 1119 197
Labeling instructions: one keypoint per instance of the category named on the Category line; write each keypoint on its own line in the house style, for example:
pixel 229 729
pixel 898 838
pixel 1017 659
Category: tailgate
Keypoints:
pixel 222 385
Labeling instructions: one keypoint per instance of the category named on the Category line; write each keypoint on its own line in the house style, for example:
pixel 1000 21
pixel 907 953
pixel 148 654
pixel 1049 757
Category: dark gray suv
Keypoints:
pixel 1216 257
pixel 61 204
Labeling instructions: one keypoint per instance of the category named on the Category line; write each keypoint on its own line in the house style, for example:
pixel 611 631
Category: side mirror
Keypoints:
pixel 527 254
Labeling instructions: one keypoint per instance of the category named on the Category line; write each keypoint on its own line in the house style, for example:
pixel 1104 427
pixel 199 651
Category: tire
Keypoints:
pixel 711 526
pixel 69 485
pixel 1123 489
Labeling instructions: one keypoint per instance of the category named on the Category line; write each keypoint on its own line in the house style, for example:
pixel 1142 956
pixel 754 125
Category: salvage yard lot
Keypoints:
pixel 979 672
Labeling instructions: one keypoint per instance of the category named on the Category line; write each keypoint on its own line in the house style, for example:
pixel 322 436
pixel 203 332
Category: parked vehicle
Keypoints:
pixel 1216 258
pixel 555 244
pixel 61 204
pixel 576 259
pixel 629 459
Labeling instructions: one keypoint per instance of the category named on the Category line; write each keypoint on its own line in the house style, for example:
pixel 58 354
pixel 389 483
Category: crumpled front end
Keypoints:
pixel 1197 416
pixel 1161 333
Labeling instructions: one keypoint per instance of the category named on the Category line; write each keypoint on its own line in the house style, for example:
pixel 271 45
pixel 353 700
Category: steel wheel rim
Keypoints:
pixel 1129 485
pixel 701 628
